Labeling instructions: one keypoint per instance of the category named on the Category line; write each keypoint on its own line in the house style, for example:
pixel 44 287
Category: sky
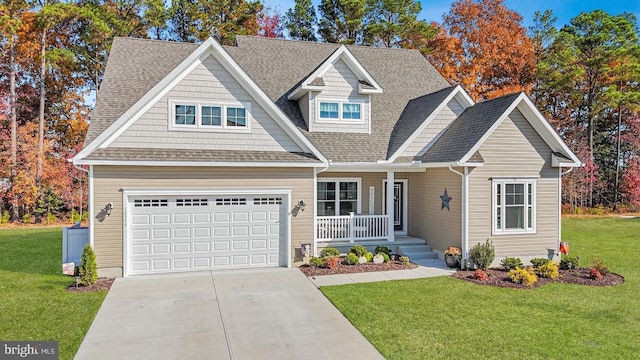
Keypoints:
pixel 564 10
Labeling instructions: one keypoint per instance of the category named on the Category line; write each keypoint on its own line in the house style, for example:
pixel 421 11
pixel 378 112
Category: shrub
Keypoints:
pixel 386 257
pixel 480 275
pixel 330 262
pixel 26 218
pixel 569 262
pixel 382 250
pixel 88 270
pixel 369 256
pixel 315 262
pixel 404 260
pixel 482 255
pixel 359 250
pixel 5 217
pixel 597 264
pixel 537 262
pixel 523 276
pixel 329 252
pixel 595 274
pixel 548 270
pixel 510 263
pixel 51 218
pixel 350 259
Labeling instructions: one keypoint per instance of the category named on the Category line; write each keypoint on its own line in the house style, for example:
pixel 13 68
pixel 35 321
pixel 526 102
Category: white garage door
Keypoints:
pixel 185 233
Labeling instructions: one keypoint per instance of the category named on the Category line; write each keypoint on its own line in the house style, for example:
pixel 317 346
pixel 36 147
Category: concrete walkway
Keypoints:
pixel 426 268
pixel 257 314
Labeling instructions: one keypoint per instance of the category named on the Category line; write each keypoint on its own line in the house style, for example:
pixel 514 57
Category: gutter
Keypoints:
pixel 465 214
pixel 560 208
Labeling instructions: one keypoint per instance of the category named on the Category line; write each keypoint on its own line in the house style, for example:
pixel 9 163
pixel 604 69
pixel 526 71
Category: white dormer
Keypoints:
pixel 336 97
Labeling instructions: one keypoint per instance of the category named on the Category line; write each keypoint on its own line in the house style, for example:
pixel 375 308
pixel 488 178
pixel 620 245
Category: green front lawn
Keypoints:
pixel 446 318
pixel 34 302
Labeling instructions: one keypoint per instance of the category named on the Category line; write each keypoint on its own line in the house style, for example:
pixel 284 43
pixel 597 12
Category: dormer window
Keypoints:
pixel 344 110
pixel 205 116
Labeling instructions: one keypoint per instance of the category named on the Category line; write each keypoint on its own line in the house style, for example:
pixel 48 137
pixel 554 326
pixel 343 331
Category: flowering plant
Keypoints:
pixel 453 251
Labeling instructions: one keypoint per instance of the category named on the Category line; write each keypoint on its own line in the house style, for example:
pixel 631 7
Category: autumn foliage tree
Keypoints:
pixel 482 46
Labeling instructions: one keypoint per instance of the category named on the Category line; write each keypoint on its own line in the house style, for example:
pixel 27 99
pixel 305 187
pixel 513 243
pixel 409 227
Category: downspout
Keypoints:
pixel 465 214
pixel 560 208
pixel 315 208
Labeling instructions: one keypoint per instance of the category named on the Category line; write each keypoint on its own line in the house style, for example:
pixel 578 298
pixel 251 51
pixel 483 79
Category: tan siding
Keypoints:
pixel 341 83
pixel 515 150
pixel 303 102
pixel 207 82
pixel 427 220
pixel 108 180
pixel 437 124
pixel 367 179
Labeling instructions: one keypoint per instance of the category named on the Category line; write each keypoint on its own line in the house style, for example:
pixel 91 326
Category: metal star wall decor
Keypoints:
pixel 445 200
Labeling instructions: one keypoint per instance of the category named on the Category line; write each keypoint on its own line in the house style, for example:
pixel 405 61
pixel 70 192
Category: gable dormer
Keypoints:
pixel 336 97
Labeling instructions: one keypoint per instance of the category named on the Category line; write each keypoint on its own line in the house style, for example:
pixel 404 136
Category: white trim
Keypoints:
pixel 132 192
pixel 198 127
pixel 464 213
pixel 528 228
pixel 208 47
pixel 315 212
pixel 454 93
pixel 405 205
pixel 337 199
pixel 90 209
pixel 354 65
pixel 341 102
pixel 195 163
pixel 537 121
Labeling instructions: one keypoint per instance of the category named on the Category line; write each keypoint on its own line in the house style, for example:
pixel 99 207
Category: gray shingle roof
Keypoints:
pixel 465 131
pixel 277 66
pixel 414 114
pixel 200 156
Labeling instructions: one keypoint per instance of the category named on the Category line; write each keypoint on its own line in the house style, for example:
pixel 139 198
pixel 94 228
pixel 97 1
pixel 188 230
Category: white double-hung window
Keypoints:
pixel 207 116
pixel 514 206
pixel 338 196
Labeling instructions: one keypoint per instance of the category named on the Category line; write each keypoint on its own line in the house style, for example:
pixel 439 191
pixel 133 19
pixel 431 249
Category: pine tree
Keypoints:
pixel 88 269
pixel 300 21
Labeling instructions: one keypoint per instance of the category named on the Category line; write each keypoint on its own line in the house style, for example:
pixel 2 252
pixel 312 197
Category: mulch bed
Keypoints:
pixel 100 285
pixel 500 278
pixel 351 269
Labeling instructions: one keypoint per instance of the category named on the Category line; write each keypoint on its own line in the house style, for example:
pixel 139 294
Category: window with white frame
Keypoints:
pixel 338 196
pixel 209 116
pixel 514 206
pixel 334 110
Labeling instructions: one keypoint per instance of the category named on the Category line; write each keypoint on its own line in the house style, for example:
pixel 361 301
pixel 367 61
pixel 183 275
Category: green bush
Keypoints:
pixel 88 269
pixel 51 218
pixel 482 255
pixel 405 260
pixel 75 216
pixel 369 256
pixel 523 276
pixel 26 218
pixel 350 259
pixel 569 262
pixel 597 264
pixel 510 263
pixel 315 262
pixel 548 270
pixel 329 252
pixel 5 217
pixel 386 257
pixel 537 262
pixel 359 250
pixel 382 250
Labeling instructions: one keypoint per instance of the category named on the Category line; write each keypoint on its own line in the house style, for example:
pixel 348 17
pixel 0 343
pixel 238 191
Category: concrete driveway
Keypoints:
pixel 252 314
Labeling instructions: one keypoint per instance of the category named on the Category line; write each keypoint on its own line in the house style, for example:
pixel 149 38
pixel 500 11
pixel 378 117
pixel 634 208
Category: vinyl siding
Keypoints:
pixel 303 102
pixel 368 179
pixel 108 180
pixel 515 150
pixel 441 228
pixel 340 83
pixel 210 82
pixel 437 124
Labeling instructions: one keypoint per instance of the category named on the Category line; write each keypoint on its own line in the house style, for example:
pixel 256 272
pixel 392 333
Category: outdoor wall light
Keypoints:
pixel 301 205
pixel 108 208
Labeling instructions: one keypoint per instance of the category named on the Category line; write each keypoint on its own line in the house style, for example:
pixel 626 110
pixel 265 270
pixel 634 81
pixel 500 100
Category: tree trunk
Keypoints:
pixel 43 74
pixel 617 184
pixel 14 122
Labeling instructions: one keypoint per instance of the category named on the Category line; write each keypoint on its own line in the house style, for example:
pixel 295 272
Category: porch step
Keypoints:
pixel 417 252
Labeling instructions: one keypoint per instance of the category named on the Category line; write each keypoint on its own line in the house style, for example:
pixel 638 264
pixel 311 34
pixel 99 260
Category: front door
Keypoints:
pixel 398 205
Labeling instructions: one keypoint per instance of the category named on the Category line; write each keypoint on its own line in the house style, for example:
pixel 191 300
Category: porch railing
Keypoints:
pixel 352 227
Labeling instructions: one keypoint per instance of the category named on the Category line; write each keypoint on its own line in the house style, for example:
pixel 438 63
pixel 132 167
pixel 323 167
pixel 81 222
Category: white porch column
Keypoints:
pixel 390 203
